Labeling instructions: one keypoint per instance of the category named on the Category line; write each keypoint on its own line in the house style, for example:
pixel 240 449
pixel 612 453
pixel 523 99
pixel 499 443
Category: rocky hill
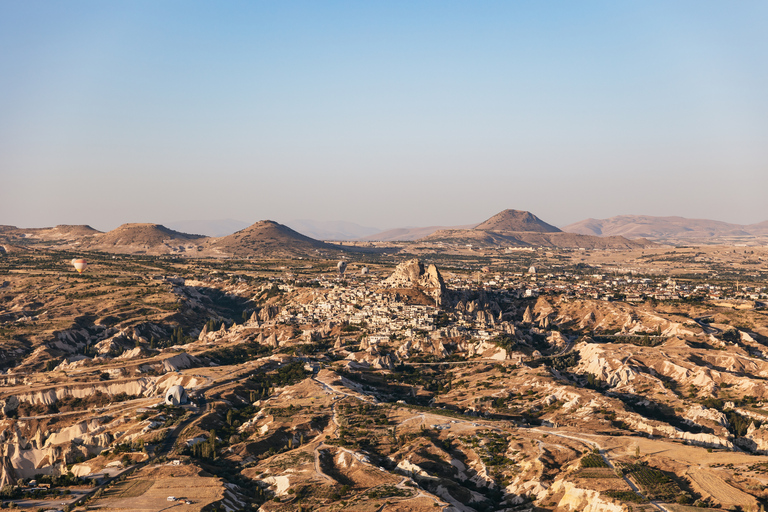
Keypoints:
pixel 264 239
pixel 412 274
pixel 516 220
pixel 665 228
pixel 67 232
pixel 761 228
pixel 269 239
pixel 60 233
pixel 515 228
pixel 142 238
pixel 487 239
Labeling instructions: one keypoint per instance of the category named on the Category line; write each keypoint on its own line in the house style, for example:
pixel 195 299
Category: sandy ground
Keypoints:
pixel 149 489
pixel 707 482
pixel 55 503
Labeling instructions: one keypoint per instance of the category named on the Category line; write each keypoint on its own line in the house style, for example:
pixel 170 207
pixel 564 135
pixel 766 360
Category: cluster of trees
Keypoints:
pixel 286 376
pixel 237 354
pixel 179 338
pixel 205 449
pixel 566 361
pixel 738 424
pixel 505 341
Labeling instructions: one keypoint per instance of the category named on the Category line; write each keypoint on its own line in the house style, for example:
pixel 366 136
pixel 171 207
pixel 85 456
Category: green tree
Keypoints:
pixel 212 443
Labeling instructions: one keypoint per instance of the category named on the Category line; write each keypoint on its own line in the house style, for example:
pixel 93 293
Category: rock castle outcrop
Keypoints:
pixel 413 274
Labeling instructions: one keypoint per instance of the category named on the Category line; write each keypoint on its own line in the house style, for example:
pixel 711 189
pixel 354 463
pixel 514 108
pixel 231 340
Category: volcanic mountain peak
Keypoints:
pixel 80 229
pixel 60 232
pixel 269 238
pixel 149 230
pixel 516 220
pixel 146 238
pixel 267 228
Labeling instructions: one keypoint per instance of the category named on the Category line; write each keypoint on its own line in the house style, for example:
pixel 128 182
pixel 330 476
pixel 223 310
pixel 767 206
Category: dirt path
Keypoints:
pixel 334 425
pixel 607 460
pixel 318 467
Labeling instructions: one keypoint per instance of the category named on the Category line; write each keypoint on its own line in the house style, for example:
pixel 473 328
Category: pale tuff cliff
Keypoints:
pixel 413 274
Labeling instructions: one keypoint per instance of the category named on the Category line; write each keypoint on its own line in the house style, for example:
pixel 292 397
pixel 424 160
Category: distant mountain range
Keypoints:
pixel 264 239
pixel 269 239
pixel 666 228
pixel 507 220
pixel 660 229
pixel 517 228
pixel 319 230
pixel 141 235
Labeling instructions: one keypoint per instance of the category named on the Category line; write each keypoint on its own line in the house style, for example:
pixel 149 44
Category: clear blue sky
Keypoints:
pixel 383 113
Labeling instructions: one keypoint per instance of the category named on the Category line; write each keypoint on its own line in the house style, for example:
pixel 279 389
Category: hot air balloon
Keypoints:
pixel 79 264
pixel 364 271
pixel 342 266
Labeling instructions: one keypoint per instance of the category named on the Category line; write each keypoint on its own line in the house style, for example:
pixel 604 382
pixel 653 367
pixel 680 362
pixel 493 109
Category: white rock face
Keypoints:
pixel 280 484
pixel 140 387
pixel 593 360
pixel 179 362
pixel 758 438
pixel 413 274
pixel 656 428
pixel 584 500
pixel 410 468
pixel 527 315
pixel 81 469
pixel 697 413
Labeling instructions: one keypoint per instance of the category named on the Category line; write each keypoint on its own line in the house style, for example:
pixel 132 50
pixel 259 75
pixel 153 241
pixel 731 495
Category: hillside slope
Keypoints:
pixel 141 238
pixel 516 220
pixel 267 238
pixel 665 228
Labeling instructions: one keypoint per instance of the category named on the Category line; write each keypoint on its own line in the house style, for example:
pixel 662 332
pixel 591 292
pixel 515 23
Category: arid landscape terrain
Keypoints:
pixel 383 256
pixel 503 366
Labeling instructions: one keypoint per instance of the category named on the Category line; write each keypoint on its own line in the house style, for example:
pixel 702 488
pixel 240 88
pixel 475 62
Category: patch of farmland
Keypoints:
pixel 710 484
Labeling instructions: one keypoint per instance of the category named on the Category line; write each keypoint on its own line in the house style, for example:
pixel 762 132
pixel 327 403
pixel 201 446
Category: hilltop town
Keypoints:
pixel 437 374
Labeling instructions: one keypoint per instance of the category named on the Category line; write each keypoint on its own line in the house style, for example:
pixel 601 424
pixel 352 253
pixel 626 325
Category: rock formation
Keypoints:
pixel 7 474
pixel 272 341
pixel 412 274
pixel 527 316
pixel 268 313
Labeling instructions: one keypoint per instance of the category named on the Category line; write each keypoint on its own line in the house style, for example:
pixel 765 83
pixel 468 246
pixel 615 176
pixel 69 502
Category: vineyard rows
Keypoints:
pixel 593 460
pixel 654 483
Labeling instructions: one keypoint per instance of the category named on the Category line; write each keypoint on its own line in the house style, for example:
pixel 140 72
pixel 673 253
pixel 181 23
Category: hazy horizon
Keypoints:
pixel 385 114
pixel 321 230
